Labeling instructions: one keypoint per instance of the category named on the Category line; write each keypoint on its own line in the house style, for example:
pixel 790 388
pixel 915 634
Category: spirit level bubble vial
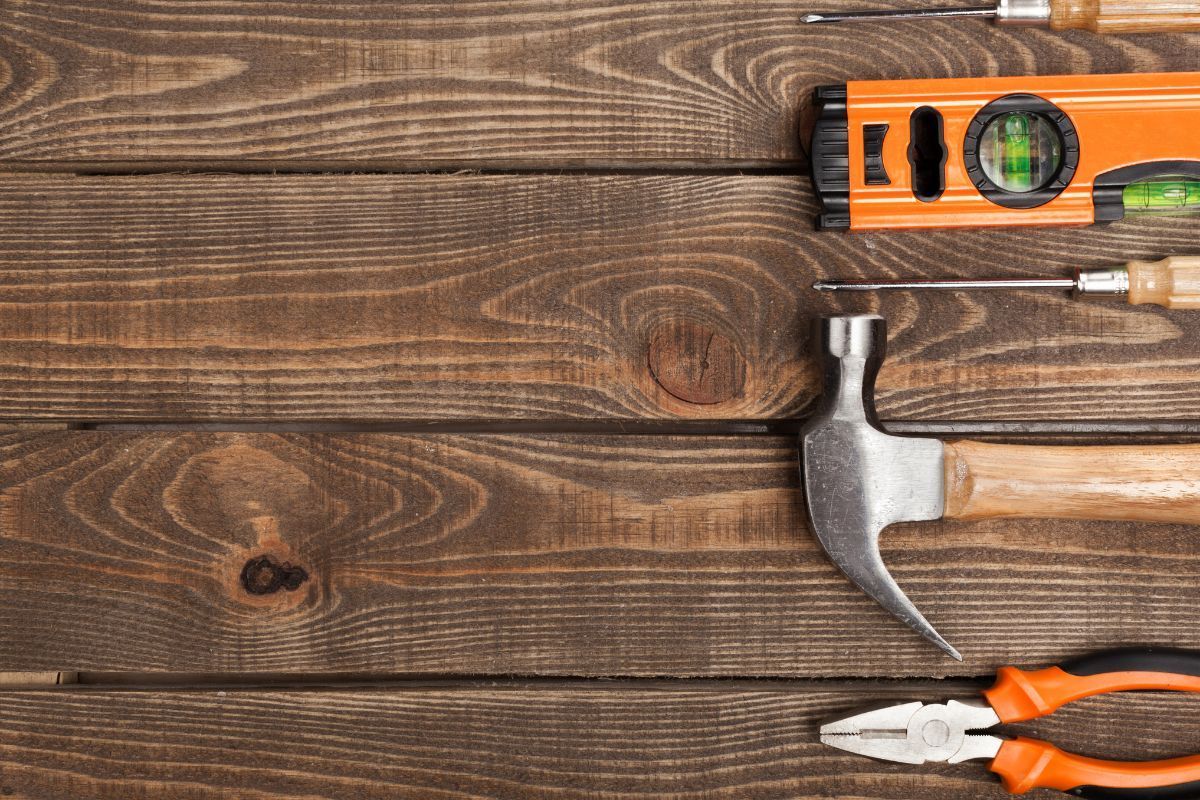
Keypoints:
pixel 971 152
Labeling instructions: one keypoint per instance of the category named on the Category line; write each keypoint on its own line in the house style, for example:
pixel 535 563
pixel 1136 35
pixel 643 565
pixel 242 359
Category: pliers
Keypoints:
pixel 916 732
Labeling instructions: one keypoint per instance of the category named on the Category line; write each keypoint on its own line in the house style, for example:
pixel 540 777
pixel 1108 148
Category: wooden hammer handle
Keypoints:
pixel 1125 16
pixel 1153 483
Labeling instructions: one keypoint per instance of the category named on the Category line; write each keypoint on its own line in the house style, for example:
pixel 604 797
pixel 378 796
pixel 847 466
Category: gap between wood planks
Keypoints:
pixel 356 681
pixel 350 681
pixel 705 168
pixel 1144 430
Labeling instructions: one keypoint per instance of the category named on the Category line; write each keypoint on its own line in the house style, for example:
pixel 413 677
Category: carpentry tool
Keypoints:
pixel 916 732
pixel 1068 150
pixel 858 479
pixel 1170 283
pixel 1098 16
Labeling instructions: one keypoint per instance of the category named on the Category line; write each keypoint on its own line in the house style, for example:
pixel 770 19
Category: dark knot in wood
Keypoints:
pixel 262 575
pixel 696 364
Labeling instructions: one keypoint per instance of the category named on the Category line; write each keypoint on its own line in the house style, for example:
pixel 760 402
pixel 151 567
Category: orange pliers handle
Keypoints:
pixel 1025 764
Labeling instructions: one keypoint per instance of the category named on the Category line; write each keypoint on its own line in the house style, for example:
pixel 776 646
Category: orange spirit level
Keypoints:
pixel 1066 150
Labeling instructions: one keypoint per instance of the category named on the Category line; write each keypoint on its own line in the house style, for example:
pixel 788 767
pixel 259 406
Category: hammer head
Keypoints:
pixel 857 478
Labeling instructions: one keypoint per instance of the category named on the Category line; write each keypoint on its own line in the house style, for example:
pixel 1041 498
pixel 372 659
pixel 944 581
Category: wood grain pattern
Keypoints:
pixel 343 557
pixel 503 297
pixel 411 83
pixel 1155 483
pixel 491 554
pixel 558 741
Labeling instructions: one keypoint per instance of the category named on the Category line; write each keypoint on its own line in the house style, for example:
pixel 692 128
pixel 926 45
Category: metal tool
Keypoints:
pixel 916 732
pixel 1104 16
pixel 1170 283
pixel 858 479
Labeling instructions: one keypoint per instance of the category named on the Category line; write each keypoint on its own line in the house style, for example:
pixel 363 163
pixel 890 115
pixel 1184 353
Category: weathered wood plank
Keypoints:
pixel 474 297
pixel 490 554
pixel 410 83
pixel 557 741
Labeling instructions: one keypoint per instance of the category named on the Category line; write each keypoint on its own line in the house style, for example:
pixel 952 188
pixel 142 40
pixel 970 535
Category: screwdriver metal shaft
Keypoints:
pixel 1061 284
pixel 849 16
pixel 1170 283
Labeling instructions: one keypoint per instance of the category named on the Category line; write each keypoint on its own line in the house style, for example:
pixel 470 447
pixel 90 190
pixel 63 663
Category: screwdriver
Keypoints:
pixel 1170 283
pixel 1098 16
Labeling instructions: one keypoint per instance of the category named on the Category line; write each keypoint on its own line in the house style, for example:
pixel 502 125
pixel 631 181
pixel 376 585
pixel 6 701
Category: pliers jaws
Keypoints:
pixel 916 732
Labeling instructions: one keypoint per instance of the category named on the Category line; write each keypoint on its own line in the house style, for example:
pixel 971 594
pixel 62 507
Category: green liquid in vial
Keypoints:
pixel 1163 195
pixel 1017 155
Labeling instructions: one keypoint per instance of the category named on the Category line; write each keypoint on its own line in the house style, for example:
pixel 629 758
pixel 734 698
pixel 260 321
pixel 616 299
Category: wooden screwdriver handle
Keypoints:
pixel 1152 483
pixel 1126 16
pixel 1172 283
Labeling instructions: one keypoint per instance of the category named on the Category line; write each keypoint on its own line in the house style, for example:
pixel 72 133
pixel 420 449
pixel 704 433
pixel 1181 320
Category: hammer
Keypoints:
pixel 858 479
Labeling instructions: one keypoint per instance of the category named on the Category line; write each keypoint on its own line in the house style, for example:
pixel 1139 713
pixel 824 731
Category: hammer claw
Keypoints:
pixel 869 573
pixel 922 626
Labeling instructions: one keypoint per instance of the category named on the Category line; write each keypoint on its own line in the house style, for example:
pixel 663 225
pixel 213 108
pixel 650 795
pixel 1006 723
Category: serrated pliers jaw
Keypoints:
pixel 917 733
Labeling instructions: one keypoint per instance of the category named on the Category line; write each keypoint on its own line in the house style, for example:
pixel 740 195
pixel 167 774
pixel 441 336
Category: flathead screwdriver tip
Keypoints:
pixel 834 286
pixel 903 13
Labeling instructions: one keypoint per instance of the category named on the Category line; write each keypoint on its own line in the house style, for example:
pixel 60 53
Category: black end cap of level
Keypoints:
pixel 833 222
pixel 830 156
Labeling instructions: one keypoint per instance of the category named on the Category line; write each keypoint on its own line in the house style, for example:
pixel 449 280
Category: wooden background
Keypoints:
pixel 398 399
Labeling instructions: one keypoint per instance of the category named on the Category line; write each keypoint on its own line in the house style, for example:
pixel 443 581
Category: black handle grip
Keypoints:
pixel 1137 659
pixel 1182 791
